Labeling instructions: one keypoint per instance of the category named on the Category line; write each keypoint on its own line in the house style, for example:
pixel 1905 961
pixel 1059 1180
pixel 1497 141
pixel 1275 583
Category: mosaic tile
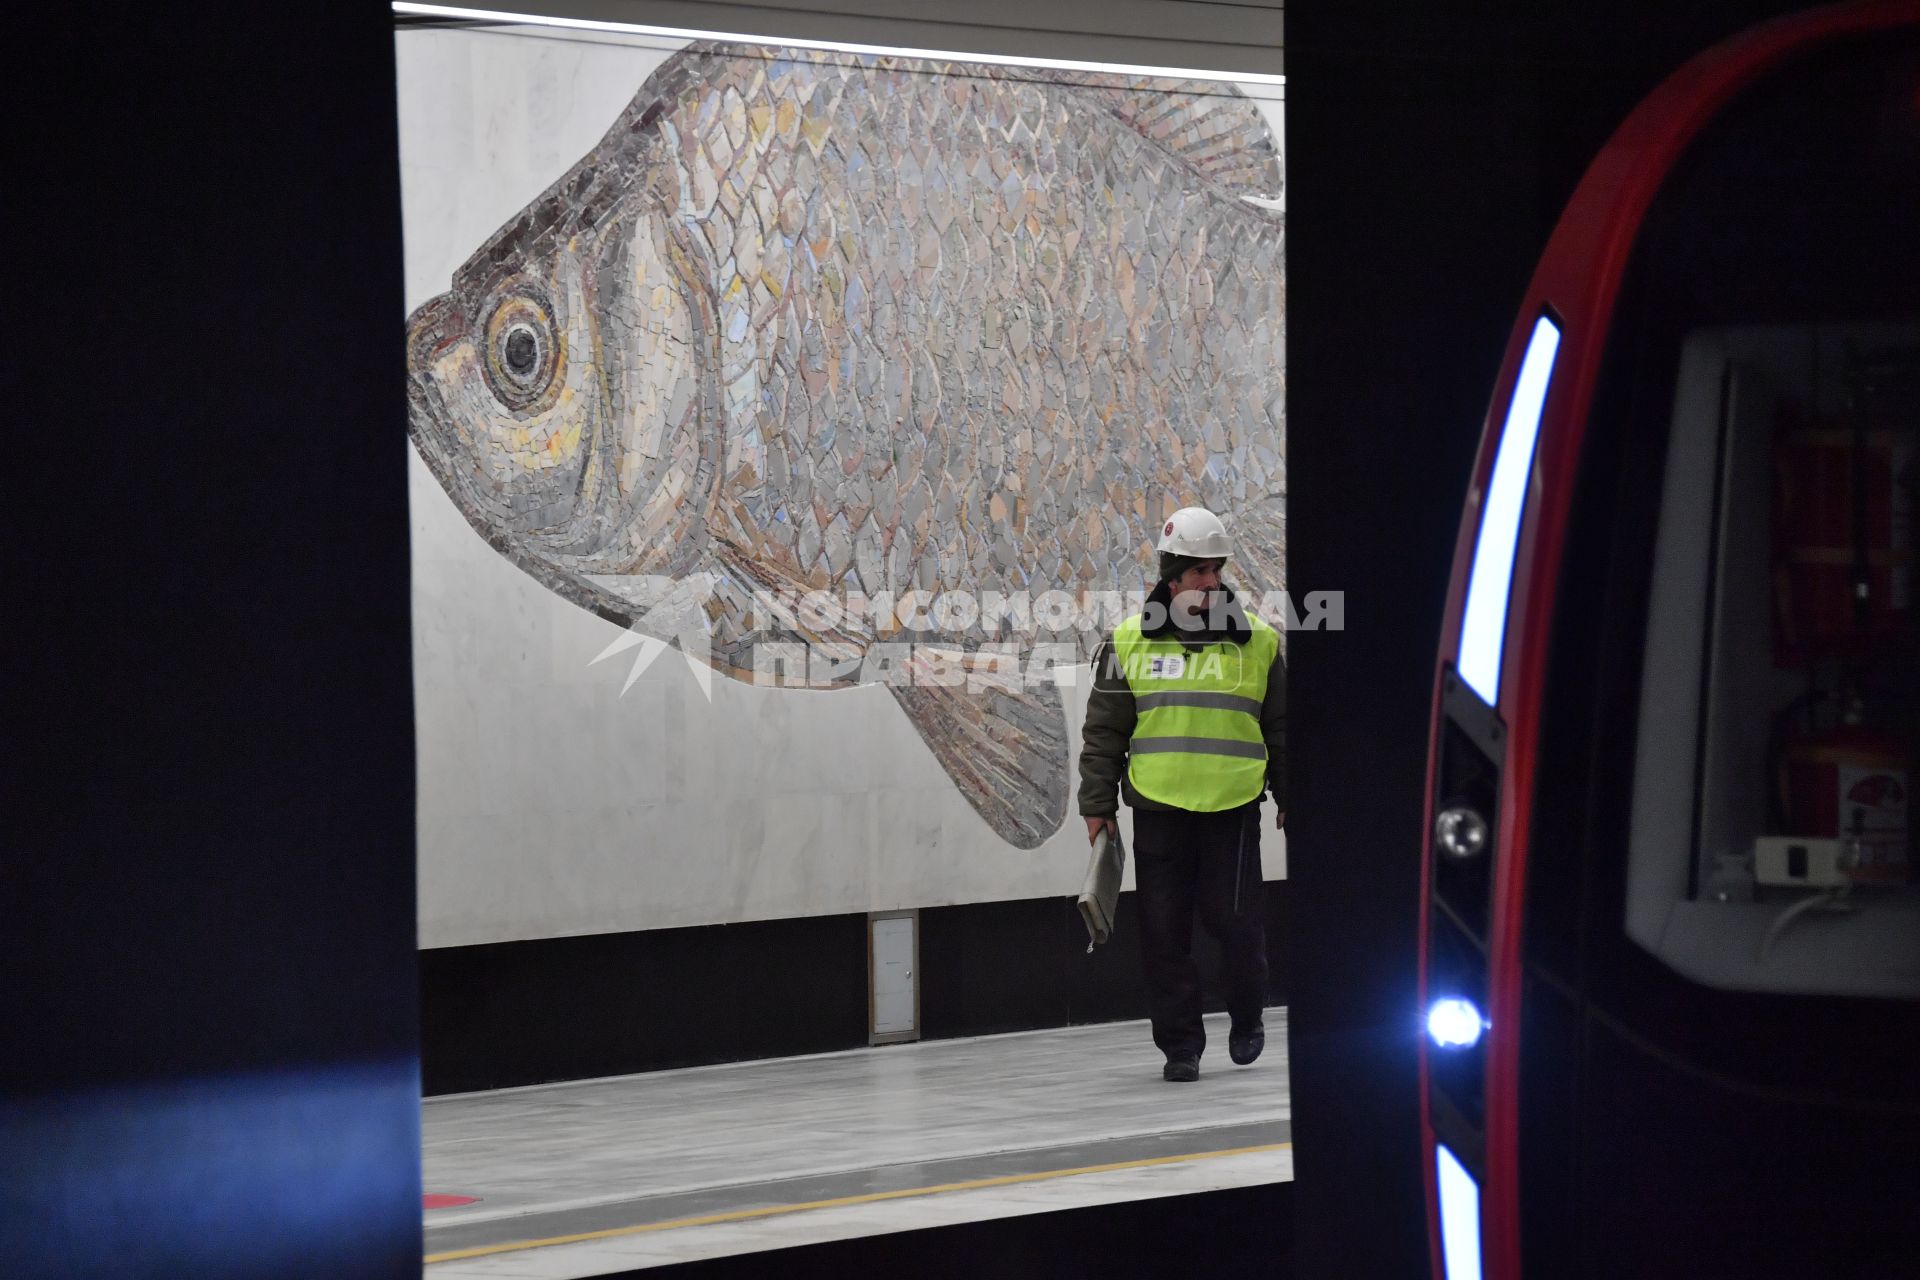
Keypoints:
pixel 869 323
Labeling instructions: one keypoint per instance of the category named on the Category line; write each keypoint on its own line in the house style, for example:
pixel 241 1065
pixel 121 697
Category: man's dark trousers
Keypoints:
pixel 1185 860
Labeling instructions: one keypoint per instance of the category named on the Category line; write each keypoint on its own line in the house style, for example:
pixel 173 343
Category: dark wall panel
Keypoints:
pixel 514 1013
pixel 207 904
pixel 1013 966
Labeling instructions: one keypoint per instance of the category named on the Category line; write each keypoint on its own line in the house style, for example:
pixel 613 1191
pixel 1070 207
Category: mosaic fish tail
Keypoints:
pixel 1219 135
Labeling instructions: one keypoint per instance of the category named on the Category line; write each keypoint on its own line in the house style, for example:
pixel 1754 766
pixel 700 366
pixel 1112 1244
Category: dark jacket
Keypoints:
pixel 1110 715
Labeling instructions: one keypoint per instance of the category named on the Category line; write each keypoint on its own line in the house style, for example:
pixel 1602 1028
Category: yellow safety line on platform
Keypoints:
pixel 742 1215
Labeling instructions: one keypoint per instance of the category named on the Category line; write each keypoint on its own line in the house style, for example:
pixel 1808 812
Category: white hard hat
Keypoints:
pixel 1195 532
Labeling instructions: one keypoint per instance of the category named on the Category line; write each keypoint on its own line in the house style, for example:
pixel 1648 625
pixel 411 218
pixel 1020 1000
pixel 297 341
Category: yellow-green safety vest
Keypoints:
pixel 1196 742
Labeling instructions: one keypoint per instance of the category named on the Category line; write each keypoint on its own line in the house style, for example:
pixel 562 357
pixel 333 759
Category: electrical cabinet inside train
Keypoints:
pixel 1671 941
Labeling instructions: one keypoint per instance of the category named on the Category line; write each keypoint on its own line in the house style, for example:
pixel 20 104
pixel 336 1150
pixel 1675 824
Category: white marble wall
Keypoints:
pixel 549 803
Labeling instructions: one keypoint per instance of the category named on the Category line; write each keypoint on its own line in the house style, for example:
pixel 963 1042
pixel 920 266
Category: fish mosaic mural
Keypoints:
pixel 811 321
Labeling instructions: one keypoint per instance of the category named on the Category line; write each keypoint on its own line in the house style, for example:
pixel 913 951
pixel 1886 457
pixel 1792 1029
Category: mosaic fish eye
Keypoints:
pixel 522 351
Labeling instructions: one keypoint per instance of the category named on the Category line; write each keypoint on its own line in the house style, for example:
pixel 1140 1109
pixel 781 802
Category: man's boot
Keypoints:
pixel 1245 1043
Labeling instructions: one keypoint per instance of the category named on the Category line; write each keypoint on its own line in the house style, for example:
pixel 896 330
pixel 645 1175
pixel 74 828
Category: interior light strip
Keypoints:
pixel 833 46
pixel 1483 630
pixel 1459 1217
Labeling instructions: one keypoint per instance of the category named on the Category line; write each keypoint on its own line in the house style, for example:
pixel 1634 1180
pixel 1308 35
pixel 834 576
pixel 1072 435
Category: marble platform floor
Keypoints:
pixel 593 1177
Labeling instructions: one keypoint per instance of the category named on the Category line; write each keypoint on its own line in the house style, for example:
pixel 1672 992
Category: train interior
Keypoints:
pixel 1771 847
pixel 1764 382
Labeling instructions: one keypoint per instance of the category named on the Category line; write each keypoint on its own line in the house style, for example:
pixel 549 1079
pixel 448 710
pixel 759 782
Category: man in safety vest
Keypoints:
pixel 1187 720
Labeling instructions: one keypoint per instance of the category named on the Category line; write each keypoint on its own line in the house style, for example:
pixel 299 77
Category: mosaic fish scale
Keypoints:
pixel 873 324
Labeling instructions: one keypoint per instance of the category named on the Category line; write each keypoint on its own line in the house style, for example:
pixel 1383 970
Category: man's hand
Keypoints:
pixel 1279 819
pixel 1096 825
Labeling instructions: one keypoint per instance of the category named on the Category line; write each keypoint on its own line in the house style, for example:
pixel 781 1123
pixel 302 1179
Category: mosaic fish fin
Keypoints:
pixel 834 649
pixel 1216 131
pixel 1002 741
pixel 1260 536
pixel 1258 570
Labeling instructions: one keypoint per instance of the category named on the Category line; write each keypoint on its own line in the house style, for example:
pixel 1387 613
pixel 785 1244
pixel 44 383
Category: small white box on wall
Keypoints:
pixel 1799 861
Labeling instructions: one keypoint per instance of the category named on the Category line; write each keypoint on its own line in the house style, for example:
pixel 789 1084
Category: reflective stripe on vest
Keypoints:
pixel 1196 742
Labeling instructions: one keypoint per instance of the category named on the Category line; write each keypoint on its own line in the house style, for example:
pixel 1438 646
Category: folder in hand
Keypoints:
pixel 1101 892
